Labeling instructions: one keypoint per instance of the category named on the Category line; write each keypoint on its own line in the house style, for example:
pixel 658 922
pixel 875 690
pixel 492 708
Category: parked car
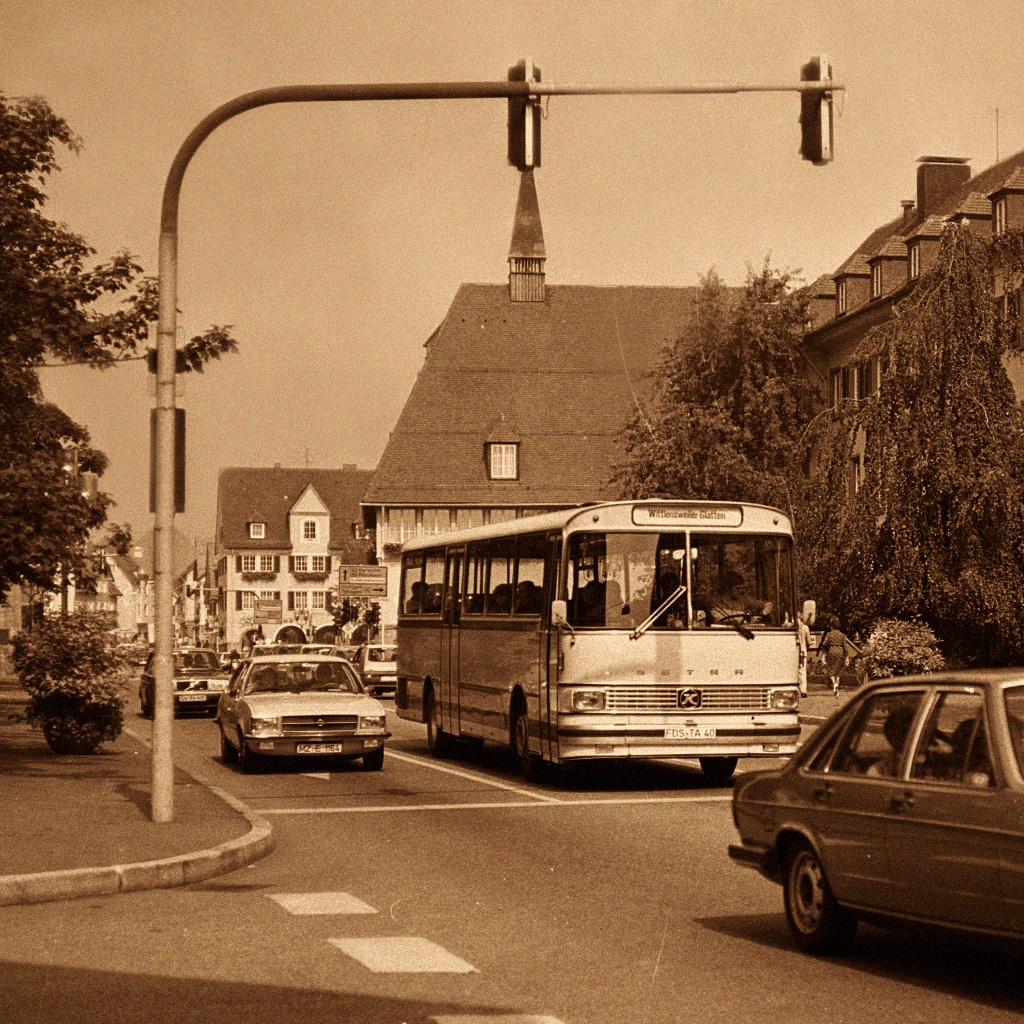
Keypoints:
pixel 297 705
pixel 907 805
pixel 199 681
pixel 316 649
pixel 378 668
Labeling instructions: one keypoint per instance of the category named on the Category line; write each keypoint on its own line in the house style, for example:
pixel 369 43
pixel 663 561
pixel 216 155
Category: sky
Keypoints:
pixel 333 237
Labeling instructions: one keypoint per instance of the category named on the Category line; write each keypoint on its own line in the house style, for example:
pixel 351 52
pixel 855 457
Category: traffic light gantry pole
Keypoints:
pixel 527 93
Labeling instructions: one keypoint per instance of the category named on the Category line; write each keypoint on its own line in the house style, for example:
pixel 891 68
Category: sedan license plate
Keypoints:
pixel 193 697
pixel 319 748
pixel 690 732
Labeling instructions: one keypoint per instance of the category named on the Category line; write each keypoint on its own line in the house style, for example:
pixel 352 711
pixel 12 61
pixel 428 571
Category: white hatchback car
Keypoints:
pixel 289 705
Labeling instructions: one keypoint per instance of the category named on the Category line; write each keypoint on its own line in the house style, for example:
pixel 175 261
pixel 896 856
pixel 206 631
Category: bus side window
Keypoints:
pixel 412 586
pixel 433 582
pixel 476 584
pixel 501 564
pixel 529 589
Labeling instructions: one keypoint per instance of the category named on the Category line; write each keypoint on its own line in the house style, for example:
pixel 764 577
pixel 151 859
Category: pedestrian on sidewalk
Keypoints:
pixel 837 650
pixel 803 639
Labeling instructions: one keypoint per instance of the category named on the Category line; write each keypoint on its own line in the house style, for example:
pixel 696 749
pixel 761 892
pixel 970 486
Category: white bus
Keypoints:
pixel 618 630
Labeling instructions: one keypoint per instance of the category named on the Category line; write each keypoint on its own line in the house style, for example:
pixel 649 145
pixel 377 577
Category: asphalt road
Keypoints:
pixel 453 891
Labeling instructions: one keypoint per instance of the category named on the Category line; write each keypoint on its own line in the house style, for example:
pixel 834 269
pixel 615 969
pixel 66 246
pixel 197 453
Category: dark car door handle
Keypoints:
pixel 823 794
pixel 904 802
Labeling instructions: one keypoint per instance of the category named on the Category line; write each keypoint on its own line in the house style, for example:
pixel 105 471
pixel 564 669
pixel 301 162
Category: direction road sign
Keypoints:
pixel 362 581
pixel 266 612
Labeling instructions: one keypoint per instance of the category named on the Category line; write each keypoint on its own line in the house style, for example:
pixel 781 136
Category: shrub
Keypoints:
pixel 75 679
pixel 898 647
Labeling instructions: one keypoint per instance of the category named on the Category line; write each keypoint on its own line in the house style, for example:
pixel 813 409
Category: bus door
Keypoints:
pixel 549 653
pixel 450 606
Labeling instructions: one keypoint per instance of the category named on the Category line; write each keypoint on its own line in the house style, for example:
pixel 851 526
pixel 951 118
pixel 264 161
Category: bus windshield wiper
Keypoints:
pixel 667 603
pixel 730 620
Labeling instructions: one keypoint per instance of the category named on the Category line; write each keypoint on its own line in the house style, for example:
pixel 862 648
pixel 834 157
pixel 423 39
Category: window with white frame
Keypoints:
pixel 876 280
pixel 835 388
pixel 257 531
pixel 503 461
pixel 841 296
pixel 319 600
pixel 318 563
pixel 915 261
pixel 266 563
pixel 266 595
pixel 248 563
pixel 309 529
pixel 301 600
pixel 248 597
pixel 300 563
pixel 999 211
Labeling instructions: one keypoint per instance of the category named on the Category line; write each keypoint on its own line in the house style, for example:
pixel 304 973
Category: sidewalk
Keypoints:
pixel 79 825
pixel 820 704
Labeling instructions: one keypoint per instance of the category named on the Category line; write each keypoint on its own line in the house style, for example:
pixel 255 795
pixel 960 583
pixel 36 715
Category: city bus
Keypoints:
pixel 628 629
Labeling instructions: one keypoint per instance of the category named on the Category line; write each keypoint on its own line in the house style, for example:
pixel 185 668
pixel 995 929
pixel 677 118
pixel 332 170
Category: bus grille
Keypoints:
pixel 663 698
pixel 312 723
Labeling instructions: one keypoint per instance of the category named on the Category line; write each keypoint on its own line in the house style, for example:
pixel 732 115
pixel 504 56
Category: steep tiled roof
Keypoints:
pixel 824 287
pixel 856 265
pixel 932 227
pixel 564 373
pixel 267 496
pixel 1014 182
pixel 893 248
pixel 129 567
pixel 975 205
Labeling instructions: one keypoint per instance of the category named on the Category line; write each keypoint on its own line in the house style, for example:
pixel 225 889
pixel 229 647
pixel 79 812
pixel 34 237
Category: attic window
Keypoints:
pixel 841 296
pixel 257 531
pixel 503 461
pixel 999 213
pixel 915 261
pixel 309 529
pixel 876 280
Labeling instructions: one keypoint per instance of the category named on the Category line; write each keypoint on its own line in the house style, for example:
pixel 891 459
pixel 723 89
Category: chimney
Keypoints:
pixel 938 177
pixel 908 211
pixel 526 255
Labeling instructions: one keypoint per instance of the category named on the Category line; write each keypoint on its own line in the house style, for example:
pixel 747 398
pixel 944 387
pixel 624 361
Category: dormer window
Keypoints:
pixel 503 461
pixel 914 269
pixel 841 296
pixel 999 215
pixel 309 529
pixel 876 280
pixel 257 531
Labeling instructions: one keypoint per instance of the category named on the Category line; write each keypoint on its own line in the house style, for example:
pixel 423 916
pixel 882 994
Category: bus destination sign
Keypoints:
pixel 693 515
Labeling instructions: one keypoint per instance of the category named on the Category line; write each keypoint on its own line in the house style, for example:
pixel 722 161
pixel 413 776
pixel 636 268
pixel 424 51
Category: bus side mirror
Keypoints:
pixel 559 615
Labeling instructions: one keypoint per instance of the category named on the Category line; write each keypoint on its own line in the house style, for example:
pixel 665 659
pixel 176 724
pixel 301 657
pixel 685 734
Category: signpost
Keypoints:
pixel 362 581
pixel 266 612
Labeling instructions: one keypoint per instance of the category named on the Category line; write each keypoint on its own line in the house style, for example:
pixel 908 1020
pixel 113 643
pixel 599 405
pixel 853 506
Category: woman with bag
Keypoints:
pixel 837 649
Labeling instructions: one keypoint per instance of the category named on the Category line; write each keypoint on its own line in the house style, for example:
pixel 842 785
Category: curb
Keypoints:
pixel 184 869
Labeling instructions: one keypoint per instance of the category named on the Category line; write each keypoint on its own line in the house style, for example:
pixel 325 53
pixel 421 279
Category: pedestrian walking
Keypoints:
pixel 803 639
pixel 837 649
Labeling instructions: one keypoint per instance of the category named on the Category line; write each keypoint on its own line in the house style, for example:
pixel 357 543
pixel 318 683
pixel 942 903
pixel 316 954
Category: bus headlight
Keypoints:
pixel 588 700
pixel 371 723
pixel 785 700
pixel 265 727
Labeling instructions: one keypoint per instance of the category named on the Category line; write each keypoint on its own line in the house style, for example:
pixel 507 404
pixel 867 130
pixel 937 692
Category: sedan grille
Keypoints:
pixel 665 698
pixel 316 723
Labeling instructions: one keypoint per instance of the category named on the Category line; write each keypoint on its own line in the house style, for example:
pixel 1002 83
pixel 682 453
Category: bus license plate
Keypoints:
pixel 192 697
pixel 690 732
pixel 319 748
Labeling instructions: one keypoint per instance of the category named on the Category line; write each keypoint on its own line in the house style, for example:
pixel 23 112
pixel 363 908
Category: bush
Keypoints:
pixel 898 648
pixel 75 679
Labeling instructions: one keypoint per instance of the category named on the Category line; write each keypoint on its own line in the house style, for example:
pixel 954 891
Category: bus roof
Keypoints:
pixel 656 515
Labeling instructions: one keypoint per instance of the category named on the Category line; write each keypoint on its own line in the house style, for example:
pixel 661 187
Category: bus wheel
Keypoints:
pixel 718 770
pixel 531 766
pixel 438 741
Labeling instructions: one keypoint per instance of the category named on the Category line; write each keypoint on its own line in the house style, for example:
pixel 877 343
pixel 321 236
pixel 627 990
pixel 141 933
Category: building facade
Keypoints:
pixel 281 535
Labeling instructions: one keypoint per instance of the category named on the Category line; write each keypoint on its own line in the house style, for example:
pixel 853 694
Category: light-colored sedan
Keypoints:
pixel 290 705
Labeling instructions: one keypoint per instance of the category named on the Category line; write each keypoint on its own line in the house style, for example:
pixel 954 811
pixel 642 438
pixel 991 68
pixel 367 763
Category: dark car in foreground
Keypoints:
pixel 199 681
pixel 906 806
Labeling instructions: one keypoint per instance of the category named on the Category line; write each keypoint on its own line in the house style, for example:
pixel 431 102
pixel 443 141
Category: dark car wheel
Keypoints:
pixel 374 760
pixel 718 770
pixel 531 766
pixel 818 923
pixel 228 753
pixel 438 741
pixel 146 708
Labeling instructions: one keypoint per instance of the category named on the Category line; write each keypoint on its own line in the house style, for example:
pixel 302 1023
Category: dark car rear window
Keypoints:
pixel 1015 718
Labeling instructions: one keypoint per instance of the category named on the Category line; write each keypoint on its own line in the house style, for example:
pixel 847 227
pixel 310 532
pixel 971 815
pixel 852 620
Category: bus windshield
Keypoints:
pixel 617 580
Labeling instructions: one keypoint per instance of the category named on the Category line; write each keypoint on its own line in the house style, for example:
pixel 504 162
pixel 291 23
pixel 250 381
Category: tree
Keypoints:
pixel 936 530
pixel 119 537
pixel 56 303
pixel 731 399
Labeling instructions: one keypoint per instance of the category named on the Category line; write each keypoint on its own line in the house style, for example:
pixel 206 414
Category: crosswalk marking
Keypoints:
pixel 321 903
pixel 403 954
pixel 505 1018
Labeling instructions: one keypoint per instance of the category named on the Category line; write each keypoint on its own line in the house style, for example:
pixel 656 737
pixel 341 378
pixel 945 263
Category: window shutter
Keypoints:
pixel 327 563
pixel 277 563
pixel 329 601
pixel 291 600
pixel 291 566
pixel 238 600
pixel 238 564
pixel 277 595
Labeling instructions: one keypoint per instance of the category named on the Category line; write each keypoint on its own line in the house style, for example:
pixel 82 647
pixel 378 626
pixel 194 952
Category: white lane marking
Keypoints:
pixel 326 776
pixel 486 780
pixel 403 954
pixel 306 903
pixel 494 805
pixel 505 1018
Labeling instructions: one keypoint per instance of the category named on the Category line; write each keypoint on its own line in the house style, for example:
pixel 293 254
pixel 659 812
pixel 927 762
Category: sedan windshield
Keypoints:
pixel 303 677
pixel 618 580
pixel 196 661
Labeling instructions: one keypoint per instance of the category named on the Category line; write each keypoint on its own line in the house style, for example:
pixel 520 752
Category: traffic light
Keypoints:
pixel 816 113
pixel 524 120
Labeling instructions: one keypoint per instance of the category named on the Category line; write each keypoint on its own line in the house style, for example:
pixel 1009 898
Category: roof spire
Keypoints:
pixel 526 254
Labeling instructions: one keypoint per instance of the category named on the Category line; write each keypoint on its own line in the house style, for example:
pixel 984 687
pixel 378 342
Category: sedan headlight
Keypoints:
pixel 588 700
pixel 371 723
pixel 785 700
pixel 265 727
